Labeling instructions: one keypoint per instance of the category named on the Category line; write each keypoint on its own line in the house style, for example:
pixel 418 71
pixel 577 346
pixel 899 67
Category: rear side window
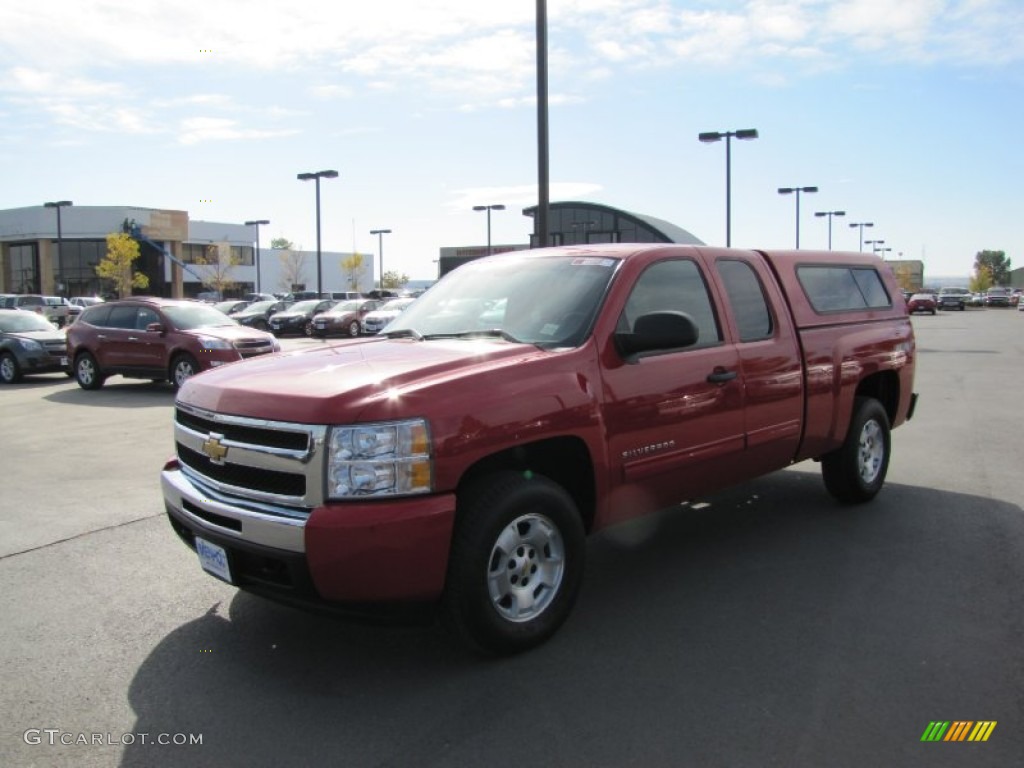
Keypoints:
pixel 843 288
pixel 122 317
pixel 96 315
pixel 746 297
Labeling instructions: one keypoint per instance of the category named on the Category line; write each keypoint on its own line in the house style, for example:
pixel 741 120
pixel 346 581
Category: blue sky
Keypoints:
pixel 905 113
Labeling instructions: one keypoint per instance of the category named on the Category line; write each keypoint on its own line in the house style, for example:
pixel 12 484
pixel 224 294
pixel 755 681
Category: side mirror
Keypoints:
pixel 657 331
pixel 154 328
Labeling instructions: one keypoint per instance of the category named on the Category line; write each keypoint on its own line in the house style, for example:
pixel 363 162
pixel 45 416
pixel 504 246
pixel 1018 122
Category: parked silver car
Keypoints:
pixel 29 344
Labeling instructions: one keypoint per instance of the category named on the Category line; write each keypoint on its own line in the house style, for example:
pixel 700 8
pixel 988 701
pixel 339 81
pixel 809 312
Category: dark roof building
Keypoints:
pixel 575 223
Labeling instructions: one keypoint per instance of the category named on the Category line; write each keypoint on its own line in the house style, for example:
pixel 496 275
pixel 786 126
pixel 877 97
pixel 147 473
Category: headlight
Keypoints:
pixel 30 345
pixel 388 459
pixel 209 342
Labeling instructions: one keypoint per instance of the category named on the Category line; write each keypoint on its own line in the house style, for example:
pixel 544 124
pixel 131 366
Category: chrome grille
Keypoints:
pixel 265 465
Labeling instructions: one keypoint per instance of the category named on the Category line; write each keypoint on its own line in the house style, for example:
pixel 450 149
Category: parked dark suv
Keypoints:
pixel 158 339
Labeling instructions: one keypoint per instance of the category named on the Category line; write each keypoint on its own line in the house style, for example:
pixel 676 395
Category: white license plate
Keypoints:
pixel 214 559
pixel 64 362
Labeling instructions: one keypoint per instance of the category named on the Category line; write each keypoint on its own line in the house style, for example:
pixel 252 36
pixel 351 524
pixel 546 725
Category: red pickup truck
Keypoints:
pixel 457 460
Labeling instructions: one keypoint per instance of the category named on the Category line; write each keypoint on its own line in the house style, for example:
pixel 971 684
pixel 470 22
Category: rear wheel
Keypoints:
pixel 855 471
pixel 353 328
pixel 516 562
pixel 10 373
pixel 308 329
pixel 182 368
pixel 87 372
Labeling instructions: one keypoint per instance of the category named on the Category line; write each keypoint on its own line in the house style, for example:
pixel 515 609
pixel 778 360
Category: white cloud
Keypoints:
pixel 519 196
pixel 195 130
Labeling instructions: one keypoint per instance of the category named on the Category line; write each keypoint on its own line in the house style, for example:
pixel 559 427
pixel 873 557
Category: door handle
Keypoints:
pixel 720 376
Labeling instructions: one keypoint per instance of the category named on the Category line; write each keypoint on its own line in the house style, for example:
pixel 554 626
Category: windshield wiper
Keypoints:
pixel 488 333
pixel 405 332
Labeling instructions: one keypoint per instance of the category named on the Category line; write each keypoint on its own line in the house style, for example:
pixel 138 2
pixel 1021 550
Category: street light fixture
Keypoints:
pixel 60 239
pixel 713 136
pixel 257 225
pixel 380 250
pixel 797 190
pixel 489 208
pixel 830 214
pixel 861 225
pixel 316 176
pixel 874 244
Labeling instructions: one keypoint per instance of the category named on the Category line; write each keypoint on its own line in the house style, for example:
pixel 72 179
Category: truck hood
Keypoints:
pixel 335 383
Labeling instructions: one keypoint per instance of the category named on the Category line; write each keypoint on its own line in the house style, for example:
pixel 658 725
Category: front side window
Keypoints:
pixel 674 286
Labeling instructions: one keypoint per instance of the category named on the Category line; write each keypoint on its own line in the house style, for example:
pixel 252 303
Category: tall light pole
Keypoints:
pixel 797 190
pixel 489 208
pixel 830 214
pixel 257 225
pixel 380 250
pixel 874 244
pixel 861 225
pixel 60 238
pixel 543 166
pixel 711 137
pixel 316 176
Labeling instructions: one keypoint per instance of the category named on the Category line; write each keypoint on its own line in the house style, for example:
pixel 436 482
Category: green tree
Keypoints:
pixel 216 265
pixel 994 264
pixel 392 280
pixel 116 265
pixel 352 267
pixel 281 244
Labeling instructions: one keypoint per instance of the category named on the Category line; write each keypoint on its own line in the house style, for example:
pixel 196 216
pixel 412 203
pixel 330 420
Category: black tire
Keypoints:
pixel 10 371
pixel 353 328
pixel 87 372
pixel 261 325
pixel 855 472
pixel 308 329
pixel 183 367
pixel 516 562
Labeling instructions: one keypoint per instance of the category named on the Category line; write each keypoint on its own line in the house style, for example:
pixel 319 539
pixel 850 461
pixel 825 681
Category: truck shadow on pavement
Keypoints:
pixel 770 626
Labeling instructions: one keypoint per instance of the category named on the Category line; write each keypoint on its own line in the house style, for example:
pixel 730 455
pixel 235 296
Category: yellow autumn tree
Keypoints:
pixel 351 267
pixel 116 265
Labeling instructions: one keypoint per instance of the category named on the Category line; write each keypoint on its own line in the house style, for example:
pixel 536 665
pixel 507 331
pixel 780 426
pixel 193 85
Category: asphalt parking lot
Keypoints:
pixel 764 626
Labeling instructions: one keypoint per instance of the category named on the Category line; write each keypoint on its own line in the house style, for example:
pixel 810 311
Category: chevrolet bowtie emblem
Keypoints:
pixel 213 448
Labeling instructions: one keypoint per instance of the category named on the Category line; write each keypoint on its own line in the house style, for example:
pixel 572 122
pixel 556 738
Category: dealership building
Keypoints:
pixel 54 249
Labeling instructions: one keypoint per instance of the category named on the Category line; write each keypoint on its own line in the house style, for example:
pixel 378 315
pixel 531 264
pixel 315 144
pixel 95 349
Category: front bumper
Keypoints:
pixel 362 558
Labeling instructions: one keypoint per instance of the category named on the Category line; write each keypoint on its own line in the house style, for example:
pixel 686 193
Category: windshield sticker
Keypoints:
pixel 593 262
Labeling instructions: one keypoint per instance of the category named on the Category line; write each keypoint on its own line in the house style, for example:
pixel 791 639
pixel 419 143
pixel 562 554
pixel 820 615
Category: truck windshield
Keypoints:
pixel 549 300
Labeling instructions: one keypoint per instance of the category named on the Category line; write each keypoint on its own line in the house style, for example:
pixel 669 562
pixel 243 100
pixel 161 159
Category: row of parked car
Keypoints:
pixel 316 317
pixel 168 339
pixel 961 298
pixel 57 309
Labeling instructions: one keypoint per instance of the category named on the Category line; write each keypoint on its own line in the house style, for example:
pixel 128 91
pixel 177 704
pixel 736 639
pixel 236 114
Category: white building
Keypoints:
pixel 172 249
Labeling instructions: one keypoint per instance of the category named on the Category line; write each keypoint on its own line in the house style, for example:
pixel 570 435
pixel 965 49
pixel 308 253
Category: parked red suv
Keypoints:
pixel 158 339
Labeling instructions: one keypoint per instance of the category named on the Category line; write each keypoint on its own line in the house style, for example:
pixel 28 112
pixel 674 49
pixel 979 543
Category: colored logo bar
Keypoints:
pixel 958 730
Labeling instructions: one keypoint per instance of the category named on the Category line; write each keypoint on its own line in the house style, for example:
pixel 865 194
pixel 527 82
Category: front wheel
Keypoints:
pixel 516 562
pixel 353 328
pixel 10 373
pixel 183 368
pixel 854 472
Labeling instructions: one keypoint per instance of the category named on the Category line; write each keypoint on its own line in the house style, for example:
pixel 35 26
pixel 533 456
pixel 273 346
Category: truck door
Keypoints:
pixel 674 419
pixel 760 325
